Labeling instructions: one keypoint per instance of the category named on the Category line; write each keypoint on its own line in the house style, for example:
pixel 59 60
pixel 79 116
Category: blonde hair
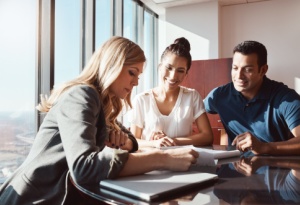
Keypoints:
pixel 101 71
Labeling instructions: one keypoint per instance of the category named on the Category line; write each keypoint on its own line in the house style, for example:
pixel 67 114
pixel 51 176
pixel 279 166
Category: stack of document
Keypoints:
pixel 208 156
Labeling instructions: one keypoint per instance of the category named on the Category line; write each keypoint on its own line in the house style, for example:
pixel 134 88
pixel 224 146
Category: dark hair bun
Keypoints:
pixel 183 42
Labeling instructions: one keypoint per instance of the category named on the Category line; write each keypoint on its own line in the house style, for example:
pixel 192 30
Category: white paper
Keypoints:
pixel 208 157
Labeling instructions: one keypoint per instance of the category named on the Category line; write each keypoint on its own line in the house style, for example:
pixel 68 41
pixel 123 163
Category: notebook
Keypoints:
pixel 157 184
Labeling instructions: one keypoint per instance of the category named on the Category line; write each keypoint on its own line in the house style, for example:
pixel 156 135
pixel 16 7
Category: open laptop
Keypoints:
pixel 157 184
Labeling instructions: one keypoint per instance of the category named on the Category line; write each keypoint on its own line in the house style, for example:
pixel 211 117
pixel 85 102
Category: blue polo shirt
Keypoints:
pixel 269 116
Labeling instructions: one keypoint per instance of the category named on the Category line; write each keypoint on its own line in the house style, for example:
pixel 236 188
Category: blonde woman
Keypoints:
pixel 80 138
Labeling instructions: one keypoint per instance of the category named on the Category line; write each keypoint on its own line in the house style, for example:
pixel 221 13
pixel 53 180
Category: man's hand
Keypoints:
pixel 246 141
pixel 247 166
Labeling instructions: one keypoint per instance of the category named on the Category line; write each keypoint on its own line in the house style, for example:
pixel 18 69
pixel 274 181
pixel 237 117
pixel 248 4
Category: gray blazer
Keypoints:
pixel 69 143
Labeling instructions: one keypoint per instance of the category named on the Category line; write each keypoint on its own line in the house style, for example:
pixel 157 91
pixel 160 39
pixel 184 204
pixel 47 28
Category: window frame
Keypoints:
pixel 46 40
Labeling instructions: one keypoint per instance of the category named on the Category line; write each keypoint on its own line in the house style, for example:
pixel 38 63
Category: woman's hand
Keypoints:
pixel 157 135
pixel 177 159
pixel 180 159
pixel 164 142
pixel 119 140
pixel 160 139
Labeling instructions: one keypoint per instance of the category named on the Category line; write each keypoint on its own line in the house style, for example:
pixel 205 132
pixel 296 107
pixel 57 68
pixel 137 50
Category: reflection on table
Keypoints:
pixel 260 180
pixel 247 179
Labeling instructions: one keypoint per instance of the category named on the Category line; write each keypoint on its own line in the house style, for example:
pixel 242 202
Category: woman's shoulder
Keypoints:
pixel 143 98
pixel 187 90
pixel 83 88
pixel 78 97
pixel 144 94
pixel 83 91
pixel 191 93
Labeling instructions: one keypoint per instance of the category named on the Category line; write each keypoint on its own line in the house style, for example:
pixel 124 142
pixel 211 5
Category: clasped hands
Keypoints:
pixel 119 140
pixel 160 139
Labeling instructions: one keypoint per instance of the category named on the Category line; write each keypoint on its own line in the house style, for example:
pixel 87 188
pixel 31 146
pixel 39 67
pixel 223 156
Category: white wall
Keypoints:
pixel 191 21
pixel 214 31
pixel 274 23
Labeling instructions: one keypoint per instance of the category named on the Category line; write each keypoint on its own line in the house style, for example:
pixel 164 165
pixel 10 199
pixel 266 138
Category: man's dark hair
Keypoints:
pixel 250 47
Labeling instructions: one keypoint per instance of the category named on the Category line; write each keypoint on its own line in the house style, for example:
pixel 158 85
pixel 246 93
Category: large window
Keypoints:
pixel 67 40
pixel 103 22
pixel 17 80
pixel 150 27
pixel 140 25
pixel 130 20
pixel 47 42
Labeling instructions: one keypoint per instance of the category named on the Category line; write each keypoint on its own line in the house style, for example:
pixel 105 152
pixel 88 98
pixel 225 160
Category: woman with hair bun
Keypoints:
pixel 164 115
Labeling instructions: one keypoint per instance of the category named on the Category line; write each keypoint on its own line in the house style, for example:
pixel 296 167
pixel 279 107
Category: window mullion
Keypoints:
pixel 87 42
pixel 44 50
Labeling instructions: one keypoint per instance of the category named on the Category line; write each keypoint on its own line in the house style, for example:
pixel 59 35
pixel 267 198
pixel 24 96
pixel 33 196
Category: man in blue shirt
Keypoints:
pixel 259 114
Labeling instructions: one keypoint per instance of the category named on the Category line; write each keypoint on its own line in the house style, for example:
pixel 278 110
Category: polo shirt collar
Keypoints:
pixel 264 92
